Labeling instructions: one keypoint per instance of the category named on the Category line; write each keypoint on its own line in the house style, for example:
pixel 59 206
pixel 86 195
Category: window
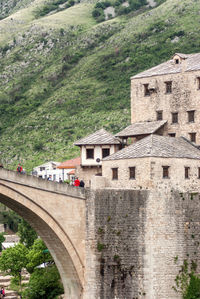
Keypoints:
pixel 192 137
pixel 187 172
pixel 165 172
pixel 191 116
pixel 159 115
pixel 54 177
pixel 176 61
pixel 115 173
pixel 172 134
pixel 168 86
pixel 198 172
pixel 198 82
pixel 89 153
pixel 146 90
pixel 131 173
pixel 42 168
pixel 105 152
pixel 175 117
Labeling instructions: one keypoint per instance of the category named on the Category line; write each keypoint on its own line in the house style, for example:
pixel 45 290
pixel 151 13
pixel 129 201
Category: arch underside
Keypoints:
pixel 70 278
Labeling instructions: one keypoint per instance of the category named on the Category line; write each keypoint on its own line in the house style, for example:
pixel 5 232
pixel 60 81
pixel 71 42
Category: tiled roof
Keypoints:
pixel 71 172
pixel 70 163
pixel 169 67
pixel 158 146
pixel 99 137
pixel 141 128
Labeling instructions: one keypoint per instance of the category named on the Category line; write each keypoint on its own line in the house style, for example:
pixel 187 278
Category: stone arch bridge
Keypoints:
pixel 110 243
pixel 57 212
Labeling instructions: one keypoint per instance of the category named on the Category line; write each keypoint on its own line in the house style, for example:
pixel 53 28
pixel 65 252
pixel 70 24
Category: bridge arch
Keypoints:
pixel 69 262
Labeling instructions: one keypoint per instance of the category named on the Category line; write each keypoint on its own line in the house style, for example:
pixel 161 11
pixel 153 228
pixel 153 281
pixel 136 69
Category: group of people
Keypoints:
pixel 20 169
pixel 2 293
pixel 78 183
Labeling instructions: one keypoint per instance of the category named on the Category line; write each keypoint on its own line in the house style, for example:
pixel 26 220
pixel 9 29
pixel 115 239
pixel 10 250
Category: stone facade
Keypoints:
pixel 183 98
pixel 87 173
pixel 149 173
pixel 137 241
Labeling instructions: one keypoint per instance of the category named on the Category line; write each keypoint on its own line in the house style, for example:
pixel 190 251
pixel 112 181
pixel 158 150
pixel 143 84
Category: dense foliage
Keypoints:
pixel 26 233
pixel 13 260
pixel 53 6
pixel 193 289
pixel 37 255
pixel 11 219
pixel 188 281
pixel 120 7
pixel 2 239
pixel 44 282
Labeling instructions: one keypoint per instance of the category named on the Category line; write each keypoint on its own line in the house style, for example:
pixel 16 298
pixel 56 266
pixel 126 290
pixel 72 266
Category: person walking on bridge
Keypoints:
pixel 76 182
pixel 19 168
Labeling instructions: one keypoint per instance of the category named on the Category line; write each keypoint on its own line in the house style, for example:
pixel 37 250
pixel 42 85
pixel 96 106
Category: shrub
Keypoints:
pixel 44 283
pixel 96 13
pixel 71 2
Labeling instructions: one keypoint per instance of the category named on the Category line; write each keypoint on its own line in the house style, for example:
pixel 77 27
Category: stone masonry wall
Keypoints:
pixel 137 241
pixel 86 174
pixel 149 173
pixel 114 260
pixel 184 97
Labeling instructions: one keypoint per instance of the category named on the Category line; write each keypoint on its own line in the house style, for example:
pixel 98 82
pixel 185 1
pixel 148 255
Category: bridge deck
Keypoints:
pixel 38 183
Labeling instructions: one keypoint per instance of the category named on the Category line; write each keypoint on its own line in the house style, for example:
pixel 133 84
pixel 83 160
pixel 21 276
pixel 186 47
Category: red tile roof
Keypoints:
pixel 70 163
pixel 71 172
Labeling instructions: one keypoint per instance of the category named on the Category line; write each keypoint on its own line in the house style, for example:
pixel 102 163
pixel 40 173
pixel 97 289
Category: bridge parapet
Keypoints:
pixel 38 183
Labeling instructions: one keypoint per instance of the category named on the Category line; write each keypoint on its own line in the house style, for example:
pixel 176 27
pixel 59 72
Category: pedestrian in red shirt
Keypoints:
pixel 76 182
pixel 19 168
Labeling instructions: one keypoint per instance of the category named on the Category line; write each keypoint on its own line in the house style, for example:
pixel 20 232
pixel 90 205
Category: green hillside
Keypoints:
pixel 63 75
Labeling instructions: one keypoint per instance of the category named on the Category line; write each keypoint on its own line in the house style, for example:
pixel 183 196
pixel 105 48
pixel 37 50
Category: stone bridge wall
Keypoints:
pixel 57 212
pixel 137 241
pixel 38 183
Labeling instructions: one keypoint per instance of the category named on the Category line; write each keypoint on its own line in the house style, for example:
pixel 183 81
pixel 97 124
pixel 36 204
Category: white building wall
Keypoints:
pixel 55 173
pixel 97 154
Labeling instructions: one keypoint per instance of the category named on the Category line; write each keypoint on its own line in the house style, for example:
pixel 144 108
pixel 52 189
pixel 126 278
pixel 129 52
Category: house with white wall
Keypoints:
pixel 48 169
pixel 93 149
pixel 68 168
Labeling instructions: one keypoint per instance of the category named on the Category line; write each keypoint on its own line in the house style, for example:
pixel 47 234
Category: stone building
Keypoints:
pixel 145 205
pixel 152 163
pixel 170 92
pixel 93 149
pixel 137 131
pixel 68 168
pixel 164 102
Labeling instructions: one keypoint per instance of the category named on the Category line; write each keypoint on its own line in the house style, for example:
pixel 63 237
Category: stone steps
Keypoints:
pixel 5 282
pixel 11 294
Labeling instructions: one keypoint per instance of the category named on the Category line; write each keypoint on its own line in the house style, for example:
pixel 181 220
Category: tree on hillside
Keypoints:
pixel 26 233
